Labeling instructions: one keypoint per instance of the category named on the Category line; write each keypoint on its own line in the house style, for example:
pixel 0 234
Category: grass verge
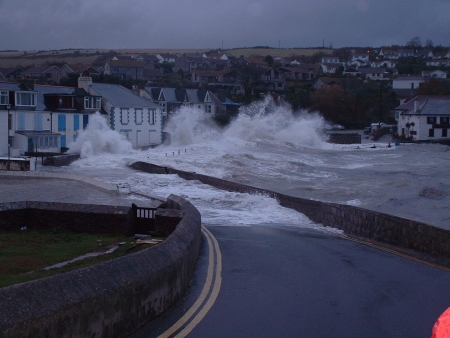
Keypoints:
pixel 25 253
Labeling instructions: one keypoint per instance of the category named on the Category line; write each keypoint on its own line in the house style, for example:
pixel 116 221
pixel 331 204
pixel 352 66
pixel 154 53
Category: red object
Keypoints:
pixel 441 328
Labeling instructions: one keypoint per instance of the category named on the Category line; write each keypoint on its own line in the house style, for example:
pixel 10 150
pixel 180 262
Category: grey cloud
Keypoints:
pixel 55 24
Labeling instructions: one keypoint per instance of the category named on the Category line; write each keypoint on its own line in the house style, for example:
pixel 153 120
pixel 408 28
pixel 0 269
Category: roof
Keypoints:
pixel 370 70
pixel 126 63
pixel 177 94
pixel 410 78
pixel 203 72
pixel 120 96
pixel 34 70
pixel 427 105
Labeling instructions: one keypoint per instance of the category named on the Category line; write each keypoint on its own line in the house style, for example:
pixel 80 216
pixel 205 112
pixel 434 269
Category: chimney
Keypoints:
pixel 84 82
pixel 416 105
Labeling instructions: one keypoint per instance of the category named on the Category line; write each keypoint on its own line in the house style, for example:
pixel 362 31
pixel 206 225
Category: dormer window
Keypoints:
pixel 26 99
pixel 4 97
pixel 92 102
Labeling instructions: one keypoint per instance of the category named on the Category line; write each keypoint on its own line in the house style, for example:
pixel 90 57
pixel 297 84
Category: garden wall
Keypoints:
pixel 110 299
pixel 352 220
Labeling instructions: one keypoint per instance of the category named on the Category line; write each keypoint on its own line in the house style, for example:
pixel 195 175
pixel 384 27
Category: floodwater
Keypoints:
pixel 271 147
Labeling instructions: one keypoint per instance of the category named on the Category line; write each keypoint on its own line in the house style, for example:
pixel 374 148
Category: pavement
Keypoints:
pixel 67 188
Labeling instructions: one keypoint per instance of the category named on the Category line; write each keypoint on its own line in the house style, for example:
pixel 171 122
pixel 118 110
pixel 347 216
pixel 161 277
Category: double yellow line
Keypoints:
pixel 208 295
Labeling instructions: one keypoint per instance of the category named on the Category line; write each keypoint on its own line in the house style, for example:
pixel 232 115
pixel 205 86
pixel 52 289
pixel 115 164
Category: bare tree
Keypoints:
pixel 415 42
pixel 429 44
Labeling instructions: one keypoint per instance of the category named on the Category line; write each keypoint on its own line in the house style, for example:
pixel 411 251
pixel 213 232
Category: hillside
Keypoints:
pixel 24 59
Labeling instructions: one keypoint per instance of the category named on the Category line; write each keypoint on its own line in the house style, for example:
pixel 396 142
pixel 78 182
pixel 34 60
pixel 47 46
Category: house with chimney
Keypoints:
pixel 424 118
pixel 136 118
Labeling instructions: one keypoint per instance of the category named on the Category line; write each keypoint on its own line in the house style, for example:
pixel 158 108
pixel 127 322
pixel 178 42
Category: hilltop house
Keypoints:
pixel 124 69
pixel 10 74
pixel 136 118
pixel 42 73
pixel 166 57
pixel 424 118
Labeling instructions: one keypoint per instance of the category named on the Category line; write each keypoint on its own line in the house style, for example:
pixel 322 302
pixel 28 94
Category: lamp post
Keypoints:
pixel 8 166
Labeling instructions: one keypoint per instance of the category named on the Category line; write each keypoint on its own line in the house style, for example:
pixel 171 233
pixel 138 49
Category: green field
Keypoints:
pixel 25 253
pixel 11 59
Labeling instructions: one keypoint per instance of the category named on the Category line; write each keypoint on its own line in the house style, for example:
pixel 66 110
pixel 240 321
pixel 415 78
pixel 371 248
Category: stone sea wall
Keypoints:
pixel 352 220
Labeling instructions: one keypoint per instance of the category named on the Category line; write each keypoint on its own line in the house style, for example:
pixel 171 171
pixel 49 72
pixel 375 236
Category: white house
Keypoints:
pixel 330 59
pixel 384 63
pixel 424 118
pixel 407 82
pixel 436 74
pixel 374 73
pixel 138 119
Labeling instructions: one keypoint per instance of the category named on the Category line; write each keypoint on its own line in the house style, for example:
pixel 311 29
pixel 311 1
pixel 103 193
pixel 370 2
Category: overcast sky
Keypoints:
pixel 112 24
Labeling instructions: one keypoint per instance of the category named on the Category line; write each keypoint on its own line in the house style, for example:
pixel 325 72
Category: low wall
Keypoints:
pixel 61 160
pixel 110 299
pixel 344 138
pixel 352 220
pixel 74 217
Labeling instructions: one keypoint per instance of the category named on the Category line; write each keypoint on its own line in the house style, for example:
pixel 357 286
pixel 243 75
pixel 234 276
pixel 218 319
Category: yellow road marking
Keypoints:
pixel 379 247
pixel 214 272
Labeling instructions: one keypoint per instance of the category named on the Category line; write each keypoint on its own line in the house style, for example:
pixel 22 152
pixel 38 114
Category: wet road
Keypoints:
pixel 290 282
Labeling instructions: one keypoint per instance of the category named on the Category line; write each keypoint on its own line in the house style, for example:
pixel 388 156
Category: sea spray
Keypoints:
pixel 261 121
pixel 98 138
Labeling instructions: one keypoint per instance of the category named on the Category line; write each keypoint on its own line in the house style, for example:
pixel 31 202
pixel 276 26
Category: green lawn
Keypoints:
pixel 24 253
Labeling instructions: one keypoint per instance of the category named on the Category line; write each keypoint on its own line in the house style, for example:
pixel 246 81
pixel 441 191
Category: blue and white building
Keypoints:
pixel 137 118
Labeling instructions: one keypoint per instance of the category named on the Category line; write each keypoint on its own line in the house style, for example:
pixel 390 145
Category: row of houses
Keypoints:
pixel 44 118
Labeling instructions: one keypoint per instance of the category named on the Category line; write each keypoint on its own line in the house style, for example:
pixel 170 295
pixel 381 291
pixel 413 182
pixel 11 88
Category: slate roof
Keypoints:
pixel 177 94
pixel 427 105
pixel 120 96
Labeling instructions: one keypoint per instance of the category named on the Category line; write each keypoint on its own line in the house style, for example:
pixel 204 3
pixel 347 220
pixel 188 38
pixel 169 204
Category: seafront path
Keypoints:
pixel 276 281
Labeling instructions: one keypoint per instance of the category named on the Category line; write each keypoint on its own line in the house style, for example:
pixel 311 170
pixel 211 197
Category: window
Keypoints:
pixel 92 102
pixel 444 119
pixel 151 116
pixel 4 97
pixel 26 99
pixel 431 120
pixel 124 118
pixel 431 133
pixel 138 116
pixel 67 102
pixel 208 108
pixel 444 132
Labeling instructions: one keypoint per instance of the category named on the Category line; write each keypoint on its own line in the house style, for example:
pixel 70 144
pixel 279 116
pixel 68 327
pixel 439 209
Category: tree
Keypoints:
pixel 429 44
pixel 269 59
pixel 415 43
pixel 434 87
pixel 247 75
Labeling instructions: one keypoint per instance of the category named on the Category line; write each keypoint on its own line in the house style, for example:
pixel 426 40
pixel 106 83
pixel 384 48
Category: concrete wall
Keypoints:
pixel 110 299
pixel 353 220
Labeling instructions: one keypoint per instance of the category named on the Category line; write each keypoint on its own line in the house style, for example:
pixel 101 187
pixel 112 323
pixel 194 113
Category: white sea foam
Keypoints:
pixel 271 147
pixel 98 138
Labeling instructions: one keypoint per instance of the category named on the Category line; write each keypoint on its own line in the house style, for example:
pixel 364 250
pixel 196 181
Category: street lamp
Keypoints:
pixel 8 166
